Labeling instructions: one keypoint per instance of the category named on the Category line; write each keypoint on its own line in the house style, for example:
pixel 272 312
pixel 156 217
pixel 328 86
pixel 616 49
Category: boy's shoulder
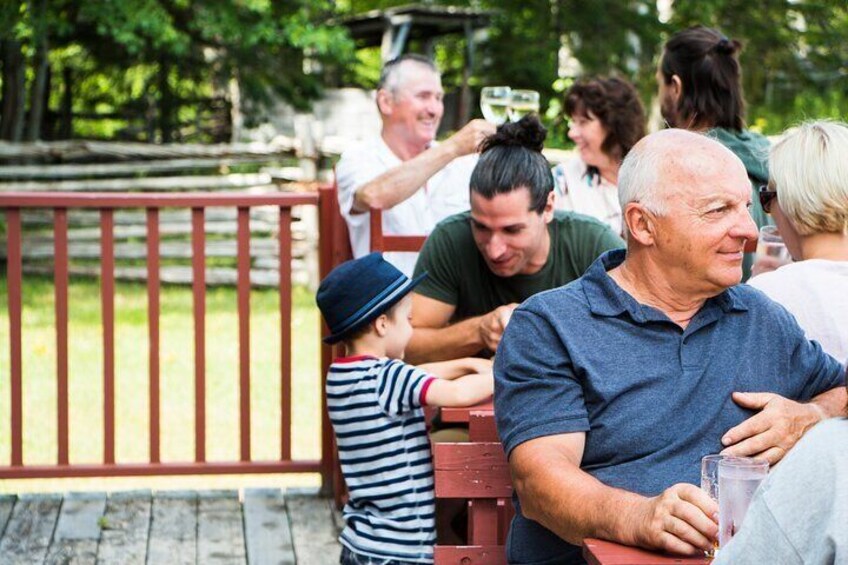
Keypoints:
pixel 370 364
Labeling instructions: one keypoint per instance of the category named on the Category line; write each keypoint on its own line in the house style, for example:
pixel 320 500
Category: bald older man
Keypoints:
pixel 608 391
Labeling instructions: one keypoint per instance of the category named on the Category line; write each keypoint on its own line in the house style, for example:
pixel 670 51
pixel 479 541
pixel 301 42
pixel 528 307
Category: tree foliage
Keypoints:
pixel 164 70
pixel 170 62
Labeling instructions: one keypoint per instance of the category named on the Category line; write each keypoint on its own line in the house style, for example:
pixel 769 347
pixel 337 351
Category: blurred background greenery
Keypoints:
pixel 174 70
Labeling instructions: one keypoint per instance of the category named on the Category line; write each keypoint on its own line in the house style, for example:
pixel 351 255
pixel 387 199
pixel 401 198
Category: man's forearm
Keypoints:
pixel 832 403
pixel 575 505
pixel 397 184
pixel 439 344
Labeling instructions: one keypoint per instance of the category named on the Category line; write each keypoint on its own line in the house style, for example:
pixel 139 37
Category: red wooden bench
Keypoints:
pixel 477 471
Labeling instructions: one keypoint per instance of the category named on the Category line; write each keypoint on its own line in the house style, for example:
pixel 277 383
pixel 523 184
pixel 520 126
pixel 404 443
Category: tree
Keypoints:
pixel 187 59
pixel 794 55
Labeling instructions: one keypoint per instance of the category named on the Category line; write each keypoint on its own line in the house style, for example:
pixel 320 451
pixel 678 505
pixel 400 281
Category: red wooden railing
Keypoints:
pixel 381 242
pixel 60 203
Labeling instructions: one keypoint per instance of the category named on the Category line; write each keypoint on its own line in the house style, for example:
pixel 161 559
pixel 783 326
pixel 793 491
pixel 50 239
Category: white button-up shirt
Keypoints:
pixel 444 194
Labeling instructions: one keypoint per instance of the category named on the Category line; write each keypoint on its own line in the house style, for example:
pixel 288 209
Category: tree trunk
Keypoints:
pixel 236 117
pixel 39 64
pixel 14 91
pixel 67 112
pixel 166 102
pixel 36 94
pixel 48 122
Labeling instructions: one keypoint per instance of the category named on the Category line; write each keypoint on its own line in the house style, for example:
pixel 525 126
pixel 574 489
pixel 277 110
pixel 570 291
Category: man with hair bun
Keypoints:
pixel 404 172
pixel 509 246
pixel 700 89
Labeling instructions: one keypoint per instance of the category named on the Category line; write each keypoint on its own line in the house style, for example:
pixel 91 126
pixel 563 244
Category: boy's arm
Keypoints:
pixel 467 390
pixel 450 370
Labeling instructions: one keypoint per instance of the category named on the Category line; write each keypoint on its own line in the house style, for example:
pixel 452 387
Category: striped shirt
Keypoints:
pixel 375 406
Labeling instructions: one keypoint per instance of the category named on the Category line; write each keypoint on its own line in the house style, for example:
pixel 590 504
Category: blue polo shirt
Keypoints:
pixel 653 398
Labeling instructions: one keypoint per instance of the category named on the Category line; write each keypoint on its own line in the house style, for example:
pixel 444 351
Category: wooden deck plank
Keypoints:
pixel 314 532
pixel 126 526
pixel 28 532
pixel 7 503
pixel 77 529
pixel 220 534
pixel 268 537
pixel 173 529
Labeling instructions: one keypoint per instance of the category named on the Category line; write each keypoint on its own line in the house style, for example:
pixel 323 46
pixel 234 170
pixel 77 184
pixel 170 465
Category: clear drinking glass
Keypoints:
pixel 771 245
pixel 523 102
pixel 738 479
pixel 494 102
pixel 709 483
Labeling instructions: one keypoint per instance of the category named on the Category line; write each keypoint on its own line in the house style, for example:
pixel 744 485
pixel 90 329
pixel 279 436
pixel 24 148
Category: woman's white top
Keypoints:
pixel 579 191
pixel 815 291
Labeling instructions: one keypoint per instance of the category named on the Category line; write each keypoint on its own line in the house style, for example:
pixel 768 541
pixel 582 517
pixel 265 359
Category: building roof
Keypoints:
pixel 427 21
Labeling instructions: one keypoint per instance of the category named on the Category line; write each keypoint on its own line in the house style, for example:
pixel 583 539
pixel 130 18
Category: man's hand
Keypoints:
pixel 683 519
pixel 772 432
pixel 493 324
pixel 468 139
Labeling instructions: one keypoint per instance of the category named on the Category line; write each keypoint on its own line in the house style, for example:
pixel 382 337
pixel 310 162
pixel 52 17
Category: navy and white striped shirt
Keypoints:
pixel 375 406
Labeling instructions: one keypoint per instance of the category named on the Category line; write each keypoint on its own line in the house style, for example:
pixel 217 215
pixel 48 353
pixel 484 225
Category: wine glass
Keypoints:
pixel 523 102
pixel 494 102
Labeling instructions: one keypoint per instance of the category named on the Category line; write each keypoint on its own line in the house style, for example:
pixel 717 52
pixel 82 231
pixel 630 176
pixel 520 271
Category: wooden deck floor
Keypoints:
pixel 169 527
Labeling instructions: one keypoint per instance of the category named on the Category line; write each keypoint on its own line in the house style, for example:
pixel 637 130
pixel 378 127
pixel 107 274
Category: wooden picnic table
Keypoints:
pixel 463 415
pixel 600 552
pixel 596 552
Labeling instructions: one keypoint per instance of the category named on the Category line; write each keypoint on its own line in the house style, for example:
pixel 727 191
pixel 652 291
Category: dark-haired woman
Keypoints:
pixel 510 245
pixel 607 119
pixel 700 89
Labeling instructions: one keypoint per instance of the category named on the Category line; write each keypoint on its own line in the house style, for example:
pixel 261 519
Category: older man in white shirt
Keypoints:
pixel 404 172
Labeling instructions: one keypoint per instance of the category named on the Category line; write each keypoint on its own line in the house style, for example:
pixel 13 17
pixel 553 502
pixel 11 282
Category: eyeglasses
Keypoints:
pixel 766 197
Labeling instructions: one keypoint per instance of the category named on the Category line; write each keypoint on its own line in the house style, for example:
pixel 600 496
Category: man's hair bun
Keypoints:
pixel 527 132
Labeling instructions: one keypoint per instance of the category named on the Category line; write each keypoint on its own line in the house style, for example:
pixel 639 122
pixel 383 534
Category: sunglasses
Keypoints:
pixel 766 197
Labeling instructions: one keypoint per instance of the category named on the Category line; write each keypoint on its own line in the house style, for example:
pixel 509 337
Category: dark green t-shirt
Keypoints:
pixel 458 274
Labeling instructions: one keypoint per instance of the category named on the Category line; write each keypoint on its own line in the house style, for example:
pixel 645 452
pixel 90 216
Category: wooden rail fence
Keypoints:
pixel 106 206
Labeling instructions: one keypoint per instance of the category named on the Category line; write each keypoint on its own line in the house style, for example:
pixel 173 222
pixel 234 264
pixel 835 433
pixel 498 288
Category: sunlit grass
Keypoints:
pixel 176 379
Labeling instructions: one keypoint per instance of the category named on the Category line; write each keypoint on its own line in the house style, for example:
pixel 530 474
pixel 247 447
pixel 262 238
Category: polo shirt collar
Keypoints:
pixel 608 299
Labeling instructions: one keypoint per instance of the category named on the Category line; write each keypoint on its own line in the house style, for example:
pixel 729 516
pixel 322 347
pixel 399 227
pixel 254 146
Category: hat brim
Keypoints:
pixel 402 291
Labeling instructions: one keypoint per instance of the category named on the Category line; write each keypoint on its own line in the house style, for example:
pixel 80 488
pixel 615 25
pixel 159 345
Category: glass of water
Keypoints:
pixel 523 102
pixel 709 474
pixel 709 482
pixel 494 102
pixel 771 245
pixel 738 479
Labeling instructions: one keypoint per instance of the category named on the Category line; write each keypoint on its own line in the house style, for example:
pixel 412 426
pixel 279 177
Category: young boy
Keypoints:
pixel 375 403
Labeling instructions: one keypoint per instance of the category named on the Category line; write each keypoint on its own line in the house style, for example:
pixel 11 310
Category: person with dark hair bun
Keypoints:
pixel 700 89
pixel 607 119
pixel 509 246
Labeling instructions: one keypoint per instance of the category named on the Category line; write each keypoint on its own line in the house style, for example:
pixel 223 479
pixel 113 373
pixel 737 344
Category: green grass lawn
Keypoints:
pixel 176 380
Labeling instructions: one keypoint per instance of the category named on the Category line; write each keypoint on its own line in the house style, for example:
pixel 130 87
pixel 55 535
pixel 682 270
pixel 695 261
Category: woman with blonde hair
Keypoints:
pixel 807 195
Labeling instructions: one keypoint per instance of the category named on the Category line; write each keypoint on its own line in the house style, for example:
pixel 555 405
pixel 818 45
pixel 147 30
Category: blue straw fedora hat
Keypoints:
pixel 356 292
